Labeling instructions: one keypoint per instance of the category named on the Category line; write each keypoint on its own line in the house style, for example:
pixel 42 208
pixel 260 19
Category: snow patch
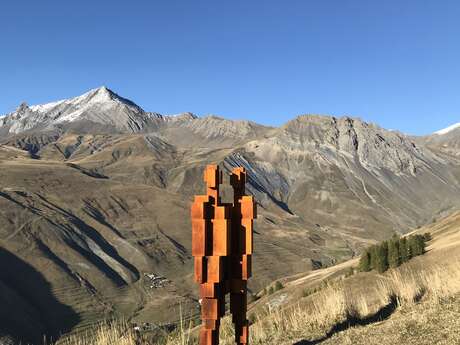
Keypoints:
pixel 448 129
pixel 41 108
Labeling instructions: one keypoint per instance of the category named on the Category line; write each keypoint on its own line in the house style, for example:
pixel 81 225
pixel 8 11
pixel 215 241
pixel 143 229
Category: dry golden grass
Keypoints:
pixel 122 333
pixel 317 316
pixel 336 304
pixel 420 324
pixel 105 334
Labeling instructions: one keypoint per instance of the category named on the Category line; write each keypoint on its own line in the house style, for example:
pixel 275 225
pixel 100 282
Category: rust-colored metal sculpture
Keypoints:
pixel 222 246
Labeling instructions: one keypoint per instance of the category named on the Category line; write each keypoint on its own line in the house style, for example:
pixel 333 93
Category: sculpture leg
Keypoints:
pixel 238 303
pixel 211 312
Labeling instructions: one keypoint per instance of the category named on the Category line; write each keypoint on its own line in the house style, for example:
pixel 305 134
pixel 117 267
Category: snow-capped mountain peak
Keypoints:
pixel 448 129
pixel 101 107
pixel 100 95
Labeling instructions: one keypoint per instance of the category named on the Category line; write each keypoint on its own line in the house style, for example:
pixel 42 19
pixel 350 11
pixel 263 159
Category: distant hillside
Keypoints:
pixel 445 141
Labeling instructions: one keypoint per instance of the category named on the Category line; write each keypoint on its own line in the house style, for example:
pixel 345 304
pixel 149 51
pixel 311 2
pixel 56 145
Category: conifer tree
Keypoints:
pixel 373 256
pixel 417 245
pixel 403 250
pixel 394 258
pixel 423 241
pixel 381 264
pixel 410 247
pixel 365 262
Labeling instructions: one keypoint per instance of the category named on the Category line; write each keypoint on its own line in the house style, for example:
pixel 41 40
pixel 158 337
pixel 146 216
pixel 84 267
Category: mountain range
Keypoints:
pixel 95 195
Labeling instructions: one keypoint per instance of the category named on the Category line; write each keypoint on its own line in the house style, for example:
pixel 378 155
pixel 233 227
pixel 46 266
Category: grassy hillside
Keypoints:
pixel 417 303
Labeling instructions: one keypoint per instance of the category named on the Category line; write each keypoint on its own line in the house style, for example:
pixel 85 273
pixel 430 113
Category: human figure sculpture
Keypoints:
pixel 222 245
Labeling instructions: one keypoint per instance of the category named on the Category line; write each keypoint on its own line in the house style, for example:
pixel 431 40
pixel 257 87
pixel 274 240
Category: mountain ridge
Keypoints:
pixel 104 94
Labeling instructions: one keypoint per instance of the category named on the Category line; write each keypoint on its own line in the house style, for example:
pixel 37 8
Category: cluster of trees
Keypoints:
pixel 392 253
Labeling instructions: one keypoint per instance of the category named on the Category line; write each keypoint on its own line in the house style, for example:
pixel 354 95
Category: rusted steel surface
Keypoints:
pixel 222 246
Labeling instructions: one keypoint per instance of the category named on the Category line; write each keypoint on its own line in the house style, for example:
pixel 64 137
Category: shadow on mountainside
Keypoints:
pixel 352 321
pixel 97 238
pixel 29 310
pixel 78 235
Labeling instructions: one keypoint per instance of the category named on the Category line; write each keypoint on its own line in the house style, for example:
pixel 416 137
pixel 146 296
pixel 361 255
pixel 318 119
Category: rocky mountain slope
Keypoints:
pixel 95 194
pixel 99 109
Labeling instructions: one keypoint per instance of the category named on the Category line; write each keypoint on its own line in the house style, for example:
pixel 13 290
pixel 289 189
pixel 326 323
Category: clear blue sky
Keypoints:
pixel 393 62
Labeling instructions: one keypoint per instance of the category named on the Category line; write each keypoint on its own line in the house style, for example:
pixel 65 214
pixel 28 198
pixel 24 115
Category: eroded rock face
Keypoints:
pixel 372 146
